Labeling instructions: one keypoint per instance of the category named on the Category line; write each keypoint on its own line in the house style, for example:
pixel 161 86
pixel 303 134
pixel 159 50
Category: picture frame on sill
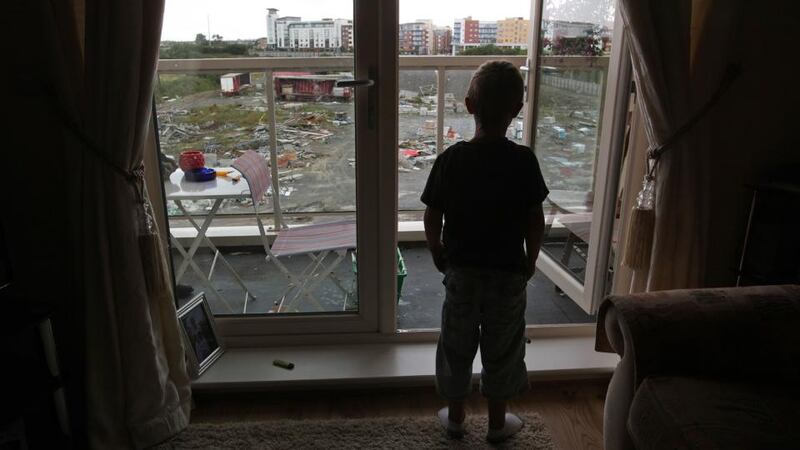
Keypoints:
pixel 203 344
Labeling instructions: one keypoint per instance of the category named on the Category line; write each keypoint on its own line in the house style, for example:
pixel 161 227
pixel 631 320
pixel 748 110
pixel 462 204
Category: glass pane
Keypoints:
pixel 570 104
pixel 310 264
pixel 472 28
pixel 416 136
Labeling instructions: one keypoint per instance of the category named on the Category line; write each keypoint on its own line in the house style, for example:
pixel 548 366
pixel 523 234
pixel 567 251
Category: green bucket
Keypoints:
pixel 401 270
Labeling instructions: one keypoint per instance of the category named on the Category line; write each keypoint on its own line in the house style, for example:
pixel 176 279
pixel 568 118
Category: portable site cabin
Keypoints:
pixel 309 86
pixel 232 83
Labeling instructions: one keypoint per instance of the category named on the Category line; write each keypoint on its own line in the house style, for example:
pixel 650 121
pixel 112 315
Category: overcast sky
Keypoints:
pixel 246 19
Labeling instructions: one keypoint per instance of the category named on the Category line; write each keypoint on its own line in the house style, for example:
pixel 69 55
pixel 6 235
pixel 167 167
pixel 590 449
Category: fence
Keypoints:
pixel 571 84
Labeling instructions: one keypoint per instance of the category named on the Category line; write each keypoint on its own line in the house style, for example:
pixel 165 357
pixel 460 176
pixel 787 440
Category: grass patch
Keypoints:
pixel 172 86
pixel 226 114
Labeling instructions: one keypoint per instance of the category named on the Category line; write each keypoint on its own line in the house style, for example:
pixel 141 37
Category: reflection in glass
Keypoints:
pixel 569 108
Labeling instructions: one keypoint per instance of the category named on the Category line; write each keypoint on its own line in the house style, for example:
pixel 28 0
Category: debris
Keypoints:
pixel 426 159
pixel 424 111
pixel 427 129
pixel 305 120
pixel 292 177
pixel 452 134
pixel 341 118
pixel 285 159
pixel 427 90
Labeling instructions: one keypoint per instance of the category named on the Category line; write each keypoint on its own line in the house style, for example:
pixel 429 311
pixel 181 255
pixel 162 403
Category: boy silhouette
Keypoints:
pixel 487 194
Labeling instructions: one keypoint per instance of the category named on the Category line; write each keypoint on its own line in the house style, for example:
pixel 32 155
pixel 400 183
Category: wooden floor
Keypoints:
pixel 572 411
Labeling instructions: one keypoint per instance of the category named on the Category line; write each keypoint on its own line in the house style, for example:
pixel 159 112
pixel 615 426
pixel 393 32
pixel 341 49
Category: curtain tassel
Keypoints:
pixel 639 245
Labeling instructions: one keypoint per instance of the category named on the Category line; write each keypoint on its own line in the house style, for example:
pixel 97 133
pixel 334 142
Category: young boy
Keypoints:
pixel 489 191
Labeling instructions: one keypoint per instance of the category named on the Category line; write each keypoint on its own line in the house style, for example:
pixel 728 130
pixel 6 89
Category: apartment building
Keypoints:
pixel 416 38
pixel 513 31
pixel 272 17
pixel 442 41
pixel 291 32
pixel 317 34
pixel 347 37
pixel 465 31
pixel 487 32
pixel 282 30
pixel 554 29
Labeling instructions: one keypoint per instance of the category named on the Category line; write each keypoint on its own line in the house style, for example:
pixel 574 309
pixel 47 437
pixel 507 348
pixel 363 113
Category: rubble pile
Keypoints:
pixel 568 149
pixel 424 103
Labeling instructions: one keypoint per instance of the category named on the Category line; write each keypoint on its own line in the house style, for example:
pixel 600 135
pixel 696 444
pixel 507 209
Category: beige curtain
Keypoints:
pixel 670 90
pixel 138 391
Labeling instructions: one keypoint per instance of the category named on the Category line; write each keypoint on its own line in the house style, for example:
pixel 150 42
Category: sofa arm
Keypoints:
pixel 741 333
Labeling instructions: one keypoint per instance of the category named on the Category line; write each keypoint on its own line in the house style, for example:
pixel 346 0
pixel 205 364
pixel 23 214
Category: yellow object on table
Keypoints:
pixel 228 172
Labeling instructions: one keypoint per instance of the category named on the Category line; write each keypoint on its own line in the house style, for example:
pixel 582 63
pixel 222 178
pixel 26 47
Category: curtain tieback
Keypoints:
pixel 134 176
pixel 732 72
pixel 639 242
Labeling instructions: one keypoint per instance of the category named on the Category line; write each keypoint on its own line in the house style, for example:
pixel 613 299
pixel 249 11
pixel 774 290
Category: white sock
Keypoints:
pixel 453 429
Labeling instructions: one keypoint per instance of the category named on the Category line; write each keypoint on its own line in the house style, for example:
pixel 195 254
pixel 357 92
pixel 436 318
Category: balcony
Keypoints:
pixel 313 158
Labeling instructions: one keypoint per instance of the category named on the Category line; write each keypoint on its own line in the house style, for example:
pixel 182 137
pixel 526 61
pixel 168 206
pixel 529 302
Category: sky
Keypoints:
pixel 246 19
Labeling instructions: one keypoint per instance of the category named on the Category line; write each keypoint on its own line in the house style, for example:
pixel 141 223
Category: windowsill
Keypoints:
pixel 396 364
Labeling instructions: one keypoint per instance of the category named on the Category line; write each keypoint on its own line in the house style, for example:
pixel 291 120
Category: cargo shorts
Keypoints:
pixel 483 308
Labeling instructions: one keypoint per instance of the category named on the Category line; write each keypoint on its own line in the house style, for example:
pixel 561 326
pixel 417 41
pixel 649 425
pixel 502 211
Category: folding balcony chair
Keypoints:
pixel 317 241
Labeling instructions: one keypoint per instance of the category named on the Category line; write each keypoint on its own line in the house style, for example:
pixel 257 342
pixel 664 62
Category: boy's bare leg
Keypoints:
pixel 456 411
pixel 497 414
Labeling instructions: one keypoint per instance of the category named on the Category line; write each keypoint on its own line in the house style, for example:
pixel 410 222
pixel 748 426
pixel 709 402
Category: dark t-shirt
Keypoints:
pixel 486 191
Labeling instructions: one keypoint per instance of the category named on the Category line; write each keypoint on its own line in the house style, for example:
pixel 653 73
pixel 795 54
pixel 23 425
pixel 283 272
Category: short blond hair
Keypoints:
pixel 495 91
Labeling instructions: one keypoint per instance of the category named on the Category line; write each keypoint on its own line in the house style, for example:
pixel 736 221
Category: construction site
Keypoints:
pixel 316 138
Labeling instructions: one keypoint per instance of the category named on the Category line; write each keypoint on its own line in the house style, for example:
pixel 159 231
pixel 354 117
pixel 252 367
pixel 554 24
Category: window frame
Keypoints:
pixel 377 195
pixel 590 293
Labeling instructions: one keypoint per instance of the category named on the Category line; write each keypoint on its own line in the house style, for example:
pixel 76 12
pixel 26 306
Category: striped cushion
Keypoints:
pixel 315 238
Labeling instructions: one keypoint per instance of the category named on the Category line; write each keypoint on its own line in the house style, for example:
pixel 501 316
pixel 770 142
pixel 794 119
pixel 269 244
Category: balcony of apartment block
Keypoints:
pixel 315 177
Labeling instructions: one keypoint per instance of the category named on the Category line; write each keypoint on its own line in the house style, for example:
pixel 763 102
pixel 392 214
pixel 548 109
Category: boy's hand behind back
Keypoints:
pixel 439 259
pixel 433 234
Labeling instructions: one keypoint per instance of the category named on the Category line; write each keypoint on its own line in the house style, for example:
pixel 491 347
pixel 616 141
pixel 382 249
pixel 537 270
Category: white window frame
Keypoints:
pixel 376 320
pixel 376 179
pixel 589 294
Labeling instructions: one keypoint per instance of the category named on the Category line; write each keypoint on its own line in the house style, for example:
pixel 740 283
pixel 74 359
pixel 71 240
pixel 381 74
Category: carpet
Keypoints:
pixel 372 433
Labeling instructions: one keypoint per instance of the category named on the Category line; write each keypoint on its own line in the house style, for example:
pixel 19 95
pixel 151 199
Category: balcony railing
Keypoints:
pixel 439 64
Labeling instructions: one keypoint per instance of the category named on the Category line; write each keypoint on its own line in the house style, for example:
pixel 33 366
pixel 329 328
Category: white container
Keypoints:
pixel 579 148
pixel 211 159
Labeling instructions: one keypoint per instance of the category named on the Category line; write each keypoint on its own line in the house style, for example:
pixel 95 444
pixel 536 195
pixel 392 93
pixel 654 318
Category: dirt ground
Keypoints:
pixel 322 177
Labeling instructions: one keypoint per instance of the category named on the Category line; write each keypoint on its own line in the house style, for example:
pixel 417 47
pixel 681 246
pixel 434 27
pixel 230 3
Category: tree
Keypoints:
pixel 590 45
pixel 216 38
pixel 491 49
pixel 200 39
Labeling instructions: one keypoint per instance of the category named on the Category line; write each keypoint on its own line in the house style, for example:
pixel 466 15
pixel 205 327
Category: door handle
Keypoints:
pixel 355 83
pixel 371 99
